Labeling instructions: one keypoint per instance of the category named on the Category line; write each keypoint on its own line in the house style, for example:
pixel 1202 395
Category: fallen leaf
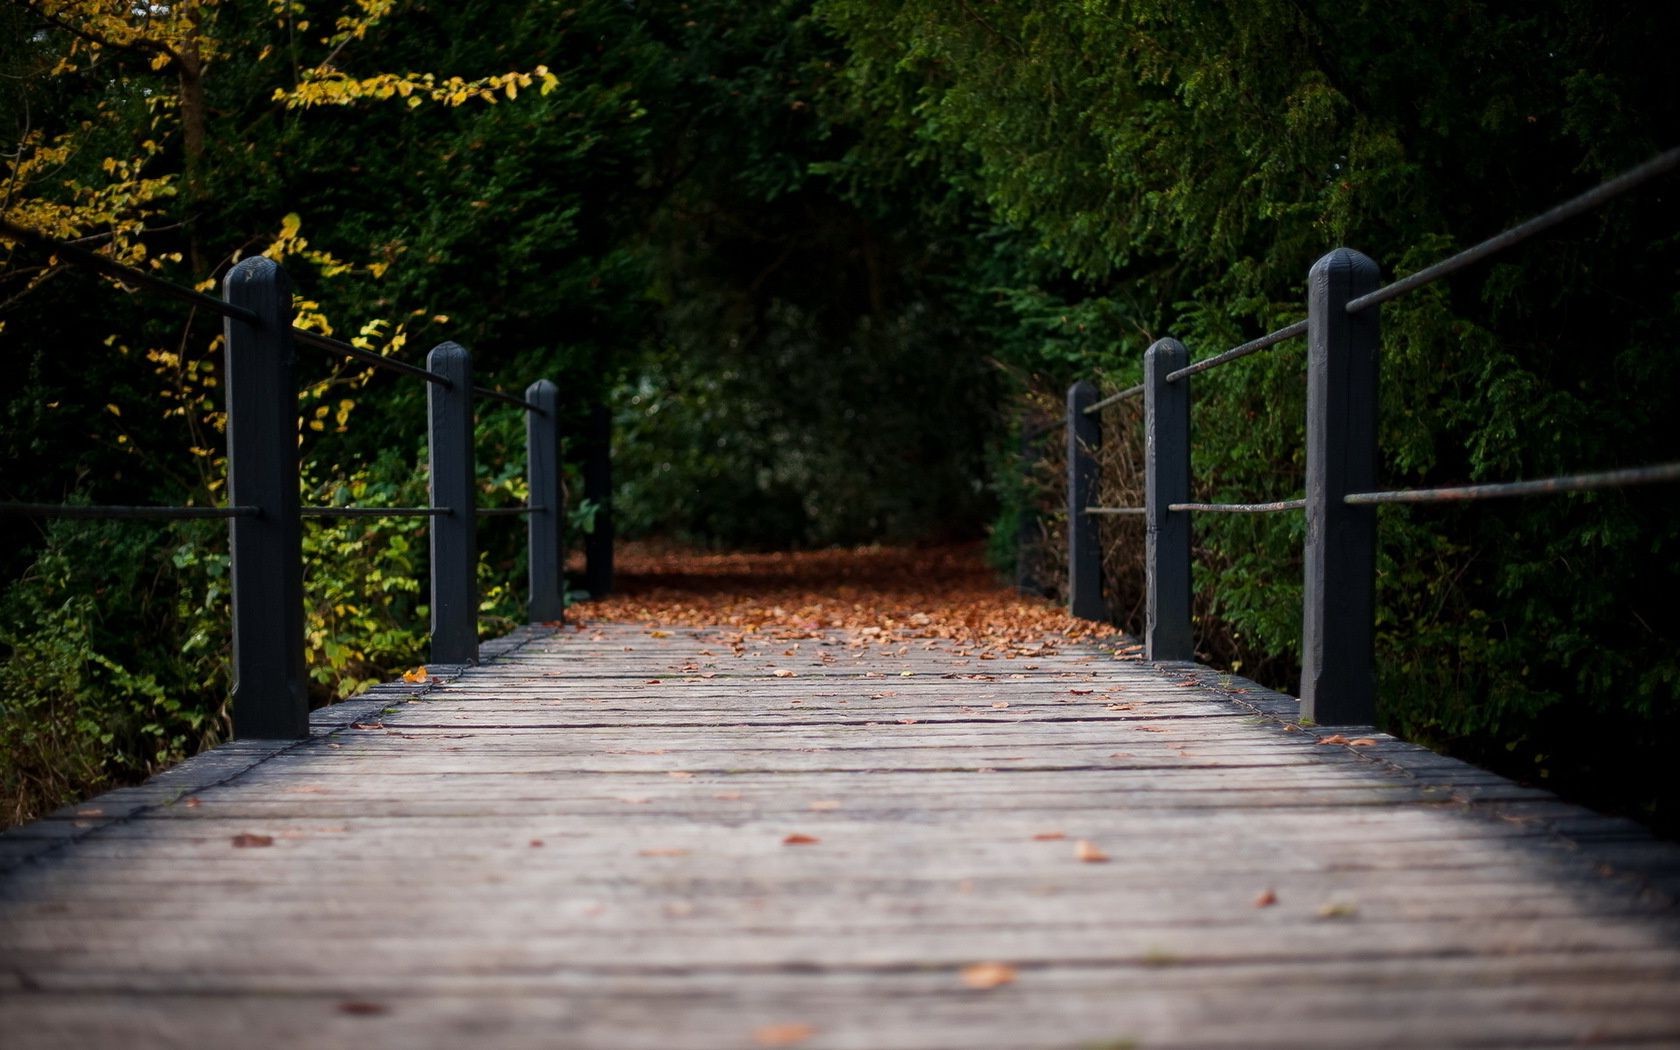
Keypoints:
pixel 783 1034
pixel 91 812
pixel 1001 704
pixel 246 840
pixel 1333 738
pixel 1337 910
pixel 362 1008
pixel 419 674
pixel 728 796
pixel 1266 898
pixel 193 803
pixel 1087 851
pixel 987 975
pixel 797 839
pixel 659 634
pixel 782 672
pixel 1049 836
pixel 1363 741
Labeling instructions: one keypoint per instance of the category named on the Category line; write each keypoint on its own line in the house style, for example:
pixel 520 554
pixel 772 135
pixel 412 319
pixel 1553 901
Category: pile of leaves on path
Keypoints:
pixel 891 596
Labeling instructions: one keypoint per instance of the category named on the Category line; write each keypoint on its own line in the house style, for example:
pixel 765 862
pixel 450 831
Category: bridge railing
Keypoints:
pixel 1344 293
pixel 265 512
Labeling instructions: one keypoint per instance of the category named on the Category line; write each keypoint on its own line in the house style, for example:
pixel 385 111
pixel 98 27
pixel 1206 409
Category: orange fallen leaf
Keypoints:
pixel 659 634
pixel 1049 836
pixel 193 803
pixel 987 975
pixel 783 1034
pixel 1333 738
pixel 797 839
pixel 1363 741
pixel 1001 704
pixel 1266 898
pixel 1087 851
pixel 246 840
pixel 419 674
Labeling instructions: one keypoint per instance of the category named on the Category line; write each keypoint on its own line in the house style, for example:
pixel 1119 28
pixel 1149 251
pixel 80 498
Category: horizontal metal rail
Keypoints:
pixel 1661 164
pixel 1253 346
pixel 373 512
pixel 507 512
pixel 1608 479
pixel 1115 510
pixel 127 274
pixel 1112 399
pixel 339 346
pixel 508 399
pixel 62 510
pixel 1240 508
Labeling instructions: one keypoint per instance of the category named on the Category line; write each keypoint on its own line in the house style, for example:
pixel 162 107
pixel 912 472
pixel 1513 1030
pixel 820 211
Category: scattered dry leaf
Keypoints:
pixel 1049 836
pixel 1337 910
pixel 193 803
pixel 1087 851
pixel 419 674
pixel 362 1008
pixel 783 1034
pixel 1265 898
pixel 1333 738
pixel 985 975
pixel 536 843
pixel 782 672
pixel 1363 741
pixel 1001 704
pixel 246 840
pixel 797 839
pixel 659 634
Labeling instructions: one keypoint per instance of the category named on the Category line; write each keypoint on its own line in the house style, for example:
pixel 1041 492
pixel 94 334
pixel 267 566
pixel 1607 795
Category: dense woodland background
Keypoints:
pixel 822 258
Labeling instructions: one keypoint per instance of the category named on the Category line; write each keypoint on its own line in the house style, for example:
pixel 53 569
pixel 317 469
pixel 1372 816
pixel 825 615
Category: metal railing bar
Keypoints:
pixel 1254 346
pixel 373 512
pixel 508 399
pixel 1661 164
pixel 127 274
pixel 338 346
pixel 1131 391
pixel 1241 508
pixel 1652 475
pixel 507 512
pixel 1114 510
pixel 64 510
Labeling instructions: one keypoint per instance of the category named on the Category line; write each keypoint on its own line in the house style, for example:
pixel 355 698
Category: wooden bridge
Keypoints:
pixel 619 837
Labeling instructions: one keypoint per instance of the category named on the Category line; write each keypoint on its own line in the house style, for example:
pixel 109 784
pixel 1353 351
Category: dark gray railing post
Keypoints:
pixel 270 691
pixel 1338 679
pixel 453 534
pixel 546 522
pixel 1166 428
pixel 597 487
pixel 1084 437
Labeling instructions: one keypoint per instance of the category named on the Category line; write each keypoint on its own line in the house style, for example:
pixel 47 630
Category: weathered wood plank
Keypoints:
pixel 583 843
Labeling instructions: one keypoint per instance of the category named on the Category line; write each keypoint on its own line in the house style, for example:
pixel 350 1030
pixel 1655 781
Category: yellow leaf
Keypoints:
pixel 114 410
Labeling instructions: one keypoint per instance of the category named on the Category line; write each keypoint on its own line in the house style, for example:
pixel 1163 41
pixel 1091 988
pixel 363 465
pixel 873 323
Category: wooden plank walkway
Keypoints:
pixel 586 843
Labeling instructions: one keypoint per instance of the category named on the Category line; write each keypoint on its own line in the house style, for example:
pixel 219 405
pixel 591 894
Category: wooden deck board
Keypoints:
pixel 582 844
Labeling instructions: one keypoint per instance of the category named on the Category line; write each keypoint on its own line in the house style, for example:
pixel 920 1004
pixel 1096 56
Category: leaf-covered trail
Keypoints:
pixel 890 596
pixel 830 801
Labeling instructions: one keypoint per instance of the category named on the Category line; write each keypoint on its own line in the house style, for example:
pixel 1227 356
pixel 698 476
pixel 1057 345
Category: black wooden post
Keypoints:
pixel 453 534
pixel 1084 437
pixel 270 693
pixel 1338 679
pixel 546 523
pixel 597 487
pixel 1166 422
